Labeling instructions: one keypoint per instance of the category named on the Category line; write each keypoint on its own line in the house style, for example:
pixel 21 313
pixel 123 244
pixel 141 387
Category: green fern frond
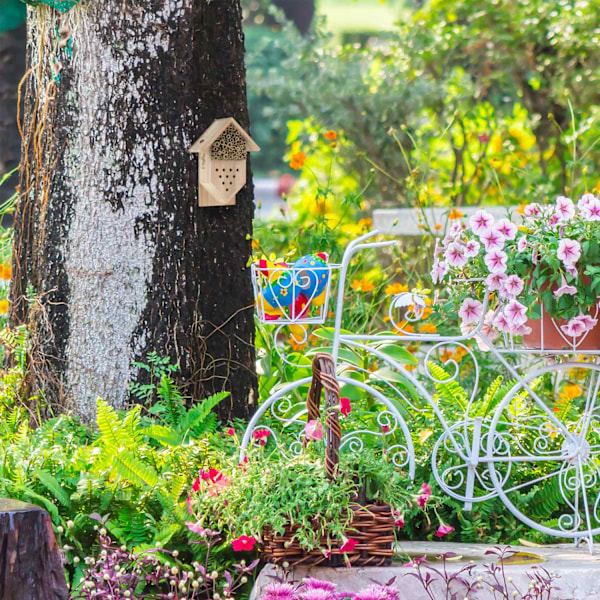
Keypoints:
pixel 54 487
pixel 450 391
pixel 127 466
pixel 163 435
pixel 109 425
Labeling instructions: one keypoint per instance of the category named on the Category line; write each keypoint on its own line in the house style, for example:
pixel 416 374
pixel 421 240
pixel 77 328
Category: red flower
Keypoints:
pixel 261 435
pixel 196 485
pixel 231 432
pixel 348 545
pixel 215 479
pixel 243 543
pixel 385 428
pixel 444 530
pixel 345 407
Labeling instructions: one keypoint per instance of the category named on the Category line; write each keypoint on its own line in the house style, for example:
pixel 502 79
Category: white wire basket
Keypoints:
pixel 292 294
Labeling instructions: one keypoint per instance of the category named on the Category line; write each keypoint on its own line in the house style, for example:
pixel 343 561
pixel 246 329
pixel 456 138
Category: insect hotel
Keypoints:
pixel 222 151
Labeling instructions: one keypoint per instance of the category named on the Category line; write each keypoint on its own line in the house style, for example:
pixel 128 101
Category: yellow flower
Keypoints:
pixel 396 288
pixel 428 328
pixel 297 161
pixel 330 135
pixel 455 214
pixel 362 285
pixel 3 306
pixel 572 390
pixel 366 224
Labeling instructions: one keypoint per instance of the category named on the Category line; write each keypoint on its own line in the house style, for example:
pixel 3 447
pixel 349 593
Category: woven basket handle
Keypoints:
pixel 323 368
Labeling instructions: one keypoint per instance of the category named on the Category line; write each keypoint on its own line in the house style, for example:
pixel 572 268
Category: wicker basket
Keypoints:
pixel 372 525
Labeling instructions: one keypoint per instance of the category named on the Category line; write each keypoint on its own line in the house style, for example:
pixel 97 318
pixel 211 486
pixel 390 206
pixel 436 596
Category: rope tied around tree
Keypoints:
pixel 323 369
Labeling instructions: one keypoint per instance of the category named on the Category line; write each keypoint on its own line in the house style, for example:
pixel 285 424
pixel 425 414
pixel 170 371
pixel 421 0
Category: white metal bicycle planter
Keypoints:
pixel 523 436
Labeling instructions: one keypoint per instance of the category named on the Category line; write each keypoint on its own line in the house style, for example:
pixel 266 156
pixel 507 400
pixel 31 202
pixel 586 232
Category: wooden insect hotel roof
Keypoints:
pixel 214 132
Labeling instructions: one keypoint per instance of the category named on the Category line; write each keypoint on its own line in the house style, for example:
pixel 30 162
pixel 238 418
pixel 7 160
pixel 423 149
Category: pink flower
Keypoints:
pixel 425 494
pixel 590 207
pixel 398 520
pixel 532 210
pixel 579 325
pixel 501 323
pixel 348 545
pixel 513 286
pixel 470 311
pixel 261 436
pixel 492 239
pixel 345 407
pixel 313 430
pixel 310 583
pixel 495 281
pixel 196 485
pixel 515 313
pixel 568 251
pixel 243 543
pixel 472 248
pixel 439 270
pixel 189 504
pixel 231 432
pixel 522 243
pixel 507 229
pixel 565 208
pixel 455 255
pixel 444 530
pixel 565 288
pixel 481 221
pixel 385 428
pixel 495 260
pixel 195 527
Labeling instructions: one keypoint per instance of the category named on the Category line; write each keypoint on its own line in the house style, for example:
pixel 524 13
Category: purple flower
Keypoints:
pixel 377 592
pixel 495 261
pixel 507 229
pixel 568 251
pixel 310 583
pixel 565 209
pixel 455 255
pixel 279 591
pixel 470 311
pixel 481 221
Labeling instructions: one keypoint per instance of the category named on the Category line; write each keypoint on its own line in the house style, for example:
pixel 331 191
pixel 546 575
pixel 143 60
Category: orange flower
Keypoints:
pixel 521 209
pixel 428 328
pixel 255 243
pixel 330 135
pixel 455 214
pixel 297 161
pixel 404 328
pixel 362 285
pixel 396 288
pixel 3 306
pixel 438 225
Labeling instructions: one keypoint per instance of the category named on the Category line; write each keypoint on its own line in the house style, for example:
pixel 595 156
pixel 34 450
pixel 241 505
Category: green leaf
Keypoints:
pixel 399 354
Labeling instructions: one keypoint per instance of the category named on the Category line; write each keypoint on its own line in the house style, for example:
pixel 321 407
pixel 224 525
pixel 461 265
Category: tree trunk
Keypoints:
pixel 30 563
pixel 113 258
pixel 12 67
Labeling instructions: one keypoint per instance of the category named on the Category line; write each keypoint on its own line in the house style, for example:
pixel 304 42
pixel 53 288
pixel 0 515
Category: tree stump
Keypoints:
pixel 30 562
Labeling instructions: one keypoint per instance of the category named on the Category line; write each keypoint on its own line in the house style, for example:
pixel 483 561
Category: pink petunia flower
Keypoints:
pixel 345 407
pixel 522 243
pixel 231 432
pixel 455 255
pixel 507 229
pixel 495 281
pixel 501 323
pixel 348 545
pixel 495 261
pixel 444 530
pixel 439 270
pixel 565 208
pixel 589 206
pixel 492 239
pixel 195 527
pixel 261 436
pixel 472 248
pixel 565 288
pixel 532 210
pixel 470 311
pixel 243 543
pixel 568 251
pixel 481 221
pixel 513 286
pixel 313 430
pixel 424 495
pixel 515 313
pixel 579 325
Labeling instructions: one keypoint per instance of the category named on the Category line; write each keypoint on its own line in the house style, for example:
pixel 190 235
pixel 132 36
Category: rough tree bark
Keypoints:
pixel 113 257
pixel 12 67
